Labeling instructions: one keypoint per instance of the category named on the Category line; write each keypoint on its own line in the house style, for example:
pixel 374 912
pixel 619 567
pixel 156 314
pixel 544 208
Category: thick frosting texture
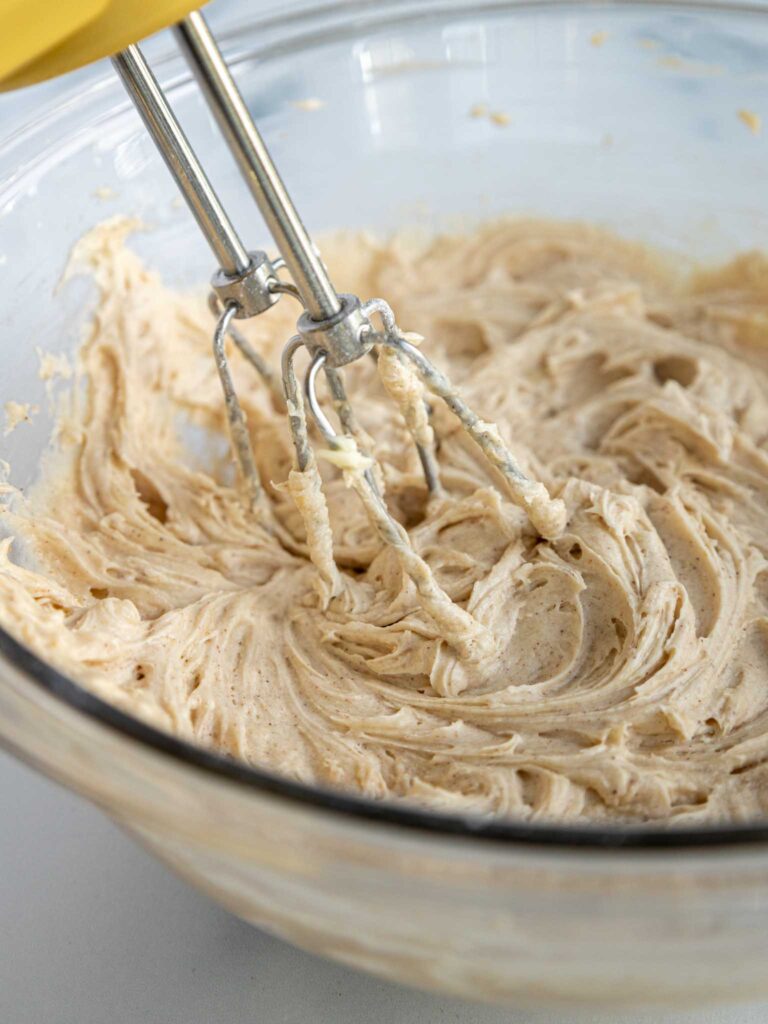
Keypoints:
pixel 623 669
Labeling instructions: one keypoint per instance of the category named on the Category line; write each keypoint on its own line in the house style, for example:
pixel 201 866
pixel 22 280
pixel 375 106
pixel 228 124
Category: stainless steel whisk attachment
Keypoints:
pixel 335 329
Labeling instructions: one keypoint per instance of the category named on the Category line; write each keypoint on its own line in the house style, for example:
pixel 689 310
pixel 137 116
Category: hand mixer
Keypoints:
pixel 335 329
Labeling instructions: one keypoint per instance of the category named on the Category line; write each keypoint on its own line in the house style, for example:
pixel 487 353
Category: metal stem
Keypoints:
pixel 293 400
pixel 304 264
pixel 257 361
pixel 241 440
pixel 169 138
pixel 426 453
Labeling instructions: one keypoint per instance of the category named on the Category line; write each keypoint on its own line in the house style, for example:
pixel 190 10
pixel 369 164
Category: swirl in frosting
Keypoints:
pixel 626 675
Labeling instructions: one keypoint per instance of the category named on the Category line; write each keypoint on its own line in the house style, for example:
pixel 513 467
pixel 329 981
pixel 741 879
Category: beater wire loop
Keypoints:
pixel 238 428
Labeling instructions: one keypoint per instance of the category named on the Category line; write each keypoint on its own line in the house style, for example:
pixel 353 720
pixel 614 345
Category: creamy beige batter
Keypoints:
pixel 627 677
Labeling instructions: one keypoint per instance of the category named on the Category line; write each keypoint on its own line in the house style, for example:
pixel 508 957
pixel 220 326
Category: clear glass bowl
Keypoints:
pixel 625 114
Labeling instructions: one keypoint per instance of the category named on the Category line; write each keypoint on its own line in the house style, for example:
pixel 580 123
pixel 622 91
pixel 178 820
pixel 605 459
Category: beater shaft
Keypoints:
pixel 189 175
pixel 318 295
pixel 247 280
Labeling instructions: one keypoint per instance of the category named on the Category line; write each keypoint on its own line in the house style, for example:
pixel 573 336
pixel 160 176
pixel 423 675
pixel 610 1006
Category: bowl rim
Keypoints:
pixel 502 832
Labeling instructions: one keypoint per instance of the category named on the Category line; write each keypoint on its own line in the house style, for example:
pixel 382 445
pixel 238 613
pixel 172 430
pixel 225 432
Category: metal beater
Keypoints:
pixel 335 329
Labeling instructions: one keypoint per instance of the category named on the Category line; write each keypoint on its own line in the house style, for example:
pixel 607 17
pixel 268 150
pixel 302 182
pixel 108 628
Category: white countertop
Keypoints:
pixel 94 930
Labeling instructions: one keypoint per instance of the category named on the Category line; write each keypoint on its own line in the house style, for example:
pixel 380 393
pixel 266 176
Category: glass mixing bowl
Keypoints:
pixel 625 114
